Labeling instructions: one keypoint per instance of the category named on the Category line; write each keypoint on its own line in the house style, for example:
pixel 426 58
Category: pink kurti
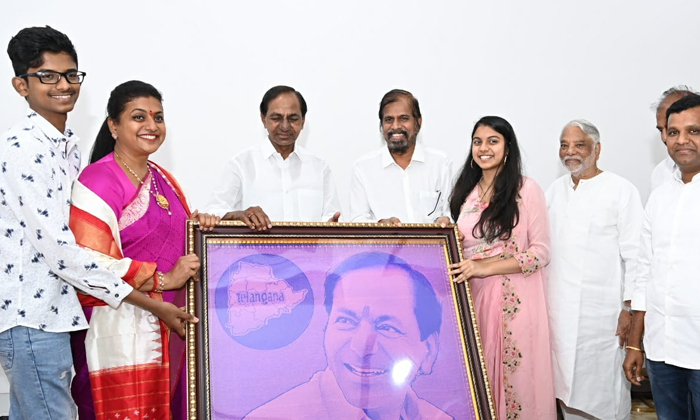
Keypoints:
pixel 511 310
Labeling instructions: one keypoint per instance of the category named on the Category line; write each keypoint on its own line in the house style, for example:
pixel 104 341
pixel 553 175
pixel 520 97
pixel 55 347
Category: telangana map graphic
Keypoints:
pixel 256 296
pixel 263 301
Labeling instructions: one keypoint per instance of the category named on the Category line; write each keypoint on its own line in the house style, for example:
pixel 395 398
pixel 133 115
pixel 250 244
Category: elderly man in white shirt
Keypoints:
pixel 664 170
pixel 596 219
pixel 666 298
pixel 277 180
pixel 404 181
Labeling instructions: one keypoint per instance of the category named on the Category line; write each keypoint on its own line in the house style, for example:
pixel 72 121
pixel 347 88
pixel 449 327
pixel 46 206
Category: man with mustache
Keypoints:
pixel 277 175
pixel 404 181
pixel 595 220
pixel 376 346
pixel 664 170
pixel 665 300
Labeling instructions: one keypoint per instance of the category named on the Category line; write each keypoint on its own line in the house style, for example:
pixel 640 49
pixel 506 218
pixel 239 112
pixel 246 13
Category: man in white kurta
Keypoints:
pixel 276 180
pixel 404 181
pixel 595 218
pixel 664 170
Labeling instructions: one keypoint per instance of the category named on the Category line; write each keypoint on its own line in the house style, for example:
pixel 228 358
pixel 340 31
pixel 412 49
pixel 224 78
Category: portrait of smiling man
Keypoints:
pixel 375 343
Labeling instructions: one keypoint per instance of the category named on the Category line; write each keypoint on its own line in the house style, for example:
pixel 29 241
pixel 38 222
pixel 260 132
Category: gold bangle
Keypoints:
pixel 155 283
pixel 634 348
pixel 160 283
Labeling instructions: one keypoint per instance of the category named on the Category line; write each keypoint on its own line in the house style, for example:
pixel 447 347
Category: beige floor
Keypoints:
pixel 637 404
pixel 643 416
pixel 639 409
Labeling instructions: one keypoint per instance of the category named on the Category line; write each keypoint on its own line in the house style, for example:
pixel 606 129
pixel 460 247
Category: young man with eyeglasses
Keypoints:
pixel 40 263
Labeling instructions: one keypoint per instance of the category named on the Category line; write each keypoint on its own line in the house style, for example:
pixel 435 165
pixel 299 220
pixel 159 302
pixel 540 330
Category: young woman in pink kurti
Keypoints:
pixel 503 217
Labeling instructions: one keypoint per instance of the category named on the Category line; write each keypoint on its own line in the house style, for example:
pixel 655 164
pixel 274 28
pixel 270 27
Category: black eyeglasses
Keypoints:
pixel 50 77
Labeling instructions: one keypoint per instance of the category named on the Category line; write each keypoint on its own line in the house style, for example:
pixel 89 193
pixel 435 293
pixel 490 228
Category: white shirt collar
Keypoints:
pixel 584 181
pixel 418 155
pixel 678 176
pixel 52 133
pixel 268 150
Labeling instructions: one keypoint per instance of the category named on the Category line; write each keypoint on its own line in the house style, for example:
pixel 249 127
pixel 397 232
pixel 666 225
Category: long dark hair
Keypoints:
pixel 120 96
pixel 502 215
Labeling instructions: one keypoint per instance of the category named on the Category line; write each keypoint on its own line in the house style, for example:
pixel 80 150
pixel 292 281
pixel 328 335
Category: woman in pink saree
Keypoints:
pixel 130 214
pixel 503 217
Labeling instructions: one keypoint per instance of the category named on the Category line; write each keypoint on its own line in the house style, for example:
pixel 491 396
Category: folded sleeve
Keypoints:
pixel 360 210
pixel 537 254
pixel 331 202
pixel 629 224
pixel 229 196
pixel 639 300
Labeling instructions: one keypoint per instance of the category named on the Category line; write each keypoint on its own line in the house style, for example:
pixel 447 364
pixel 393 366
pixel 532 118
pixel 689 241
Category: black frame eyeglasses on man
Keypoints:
pixel 51 77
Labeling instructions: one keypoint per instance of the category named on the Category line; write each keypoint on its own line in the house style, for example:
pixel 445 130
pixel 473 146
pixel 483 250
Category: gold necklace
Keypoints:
pixel 160 199
pixel 483 192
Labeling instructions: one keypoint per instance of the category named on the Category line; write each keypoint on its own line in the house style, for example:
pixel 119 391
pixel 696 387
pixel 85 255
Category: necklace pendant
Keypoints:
pixel 163 202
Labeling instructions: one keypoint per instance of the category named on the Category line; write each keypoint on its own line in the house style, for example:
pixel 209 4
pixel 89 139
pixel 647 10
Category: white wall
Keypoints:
pixel 537 63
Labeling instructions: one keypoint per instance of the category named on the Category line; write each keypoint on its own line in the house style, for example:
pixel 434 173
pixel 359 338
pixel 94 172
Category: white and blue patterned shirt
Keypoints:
pixel 40 263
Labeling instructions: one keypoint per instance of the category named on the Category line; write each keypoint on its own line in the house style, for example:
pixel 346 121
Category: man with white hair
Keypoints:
pixel 664 170
pixel 595 219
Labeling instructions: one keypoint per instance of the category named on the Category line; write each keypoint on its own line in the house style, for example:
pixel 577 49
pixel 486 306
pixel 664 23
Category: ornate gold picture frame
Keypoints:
pixel 320 320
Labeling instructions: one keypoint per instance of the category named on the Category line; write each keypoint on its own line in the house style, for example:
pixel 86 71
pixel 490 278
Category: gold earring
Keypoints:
pixel 472 163
pixel 505 159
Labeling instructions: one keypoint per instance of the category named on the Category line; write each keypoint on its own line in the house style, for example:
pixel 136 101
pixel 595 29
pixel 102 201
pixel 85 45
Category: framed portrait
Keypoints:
pixel 332 321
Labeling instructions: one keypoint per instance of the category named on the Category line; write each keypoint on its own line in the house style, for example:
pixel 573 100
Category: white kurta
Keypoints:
pixel 595 243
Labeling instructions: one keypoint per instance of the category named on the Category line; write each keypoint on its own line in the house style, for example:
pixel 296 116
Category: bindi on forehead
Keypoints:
pixel 150 113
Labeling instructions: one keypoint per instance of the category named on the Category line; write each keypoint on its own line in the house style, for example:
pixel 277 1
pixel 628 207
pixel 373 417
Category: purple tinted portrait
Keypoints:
pixel 304 331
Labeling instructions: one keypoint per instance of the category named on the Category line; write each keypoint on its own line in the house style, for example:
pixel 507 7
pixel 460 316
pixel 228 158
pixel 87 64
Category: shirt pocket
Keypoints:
pixel 310 205
pixel 429 204
pixel 603 221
